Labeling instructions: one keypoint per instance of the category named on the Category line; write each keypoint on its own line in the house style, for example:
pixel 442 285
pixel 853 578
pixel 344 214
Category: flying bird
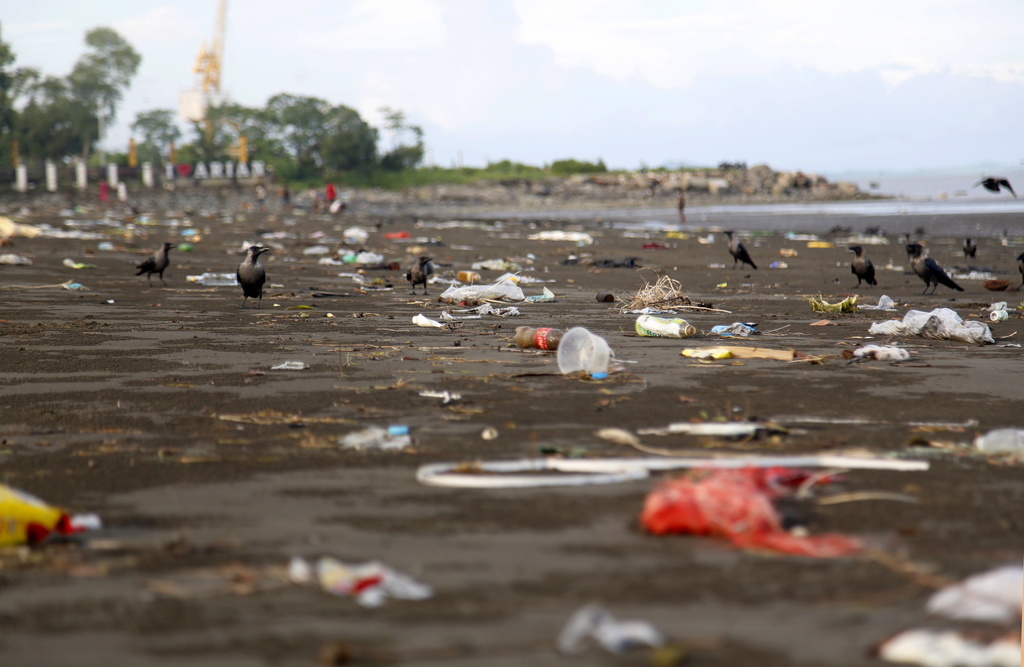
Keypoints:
pixel 970 248
pixel 251 275
pixel 862 267
pixel 994 183
pixel 156 263
pixel 419 272
pixel 929 270
pixel 738 251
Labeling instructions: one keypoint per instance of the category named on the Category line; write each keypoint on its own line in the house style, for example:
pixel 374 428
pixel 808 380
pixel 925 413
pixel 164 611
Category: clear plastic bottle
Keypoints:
pixel 1001 441
pixel 214 279
pixel 542 339
pixel 661 327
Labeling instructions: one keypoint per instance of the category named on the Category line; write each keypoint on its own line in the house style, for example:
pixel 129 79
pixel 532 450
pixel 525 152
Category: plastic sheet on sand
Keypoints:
pixel 737 505
pixel 941 323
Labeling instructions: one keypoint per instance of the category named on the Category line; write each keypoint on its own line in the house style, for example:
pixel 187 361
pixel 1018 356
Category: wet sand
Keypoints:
pixel 156 407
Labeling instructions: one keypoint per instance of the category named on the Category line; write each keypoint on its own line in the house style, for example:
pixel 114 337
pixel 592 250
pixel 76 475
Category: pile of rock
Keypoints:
pixel 757 183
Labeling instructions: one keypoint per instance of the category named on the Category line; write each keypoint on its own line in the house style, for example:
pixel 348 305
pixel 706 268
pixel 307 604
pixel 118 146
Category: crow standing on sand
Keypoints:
pixel 419 272
pixel 970 248
pixel 993 183
pixel 929 270
pixel 1020 267
pixel 862 267
pixel 738 251
pixel 251 275
pixel 155 263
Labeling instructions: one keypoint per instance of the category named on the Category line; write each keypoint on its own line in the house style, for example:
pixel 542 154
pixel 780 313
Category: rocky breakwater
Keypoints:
pixel 642 188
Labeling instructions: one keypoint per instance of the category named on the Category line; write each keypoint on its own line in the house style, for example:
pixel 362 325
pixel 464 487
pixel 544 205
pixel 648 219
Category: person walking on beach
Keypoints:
pixel 286 199
pixel 261 197
pixel 681 205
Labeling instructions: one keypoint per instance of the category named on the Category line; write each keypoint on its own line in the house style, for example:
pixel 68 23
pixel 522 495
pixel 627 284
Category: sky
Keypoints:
pixel 828 87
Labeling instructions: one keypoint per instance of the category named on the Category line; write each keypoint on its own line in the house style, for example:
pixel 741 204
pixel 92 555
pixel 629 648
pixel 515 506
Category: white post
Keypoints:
pixel 21 178
pixel 147 174
pixel 168 171
pixel 112 175
pixel 51 176
pixel 81 175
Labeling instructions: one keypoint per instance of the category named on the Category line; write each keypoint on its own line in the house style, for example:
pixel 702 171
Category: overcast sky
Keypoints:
pixel 825 86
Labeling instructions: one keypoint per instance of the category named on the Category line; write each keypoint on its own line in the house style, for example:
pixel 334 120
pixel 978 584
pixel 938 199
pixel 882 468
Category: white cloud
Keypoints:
pixel 370 25
pixel 160 25
pixel 669 44
pixel 25 30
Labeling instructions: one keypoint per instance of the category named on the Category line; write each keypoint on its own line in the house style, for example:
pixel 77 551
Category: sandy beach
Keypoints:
pixel 158 408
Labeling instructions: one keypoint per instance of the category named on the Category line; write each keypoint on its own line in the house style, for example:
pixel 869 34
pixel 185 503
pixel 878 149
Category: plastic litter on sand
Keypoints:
pixel 290 366
pixel 615 636
pixel 581 350
pixel 371 584
pixel 882 353
pixel 991 597
pixel 737 505
pixel 947 648
pixel 941 323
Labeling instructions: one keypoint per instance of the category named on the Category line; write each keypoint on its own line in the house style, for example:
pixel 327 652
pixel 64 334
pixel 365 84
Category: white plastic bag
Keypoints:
pixel 941 323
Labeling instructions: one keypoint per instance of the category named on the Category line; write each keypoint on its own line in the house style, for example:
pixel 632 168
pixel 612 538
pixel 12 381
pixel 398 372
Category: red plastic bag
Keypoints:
pixel 737 505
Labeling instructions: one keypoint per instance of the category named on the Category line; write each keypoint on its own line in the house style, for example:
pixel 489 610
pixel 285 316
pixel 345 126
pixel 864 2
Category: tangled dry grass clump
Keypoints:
pixel 665 294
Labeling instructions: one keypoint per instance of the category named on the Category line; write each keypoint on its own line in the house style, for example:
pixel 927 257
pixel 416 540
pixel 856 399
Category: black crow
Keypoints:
pixel 993 183
pixel 738 251
pixel 251 275
pixel 1020 267
pixel 156 263
pixel 862 267
pixel 929 270
pixel 970 249
pixel 419 272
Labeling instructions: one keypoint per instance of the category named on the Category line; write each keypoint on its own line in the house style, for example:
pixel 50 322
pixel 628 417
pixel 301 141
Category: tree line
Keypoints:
pixel 45 117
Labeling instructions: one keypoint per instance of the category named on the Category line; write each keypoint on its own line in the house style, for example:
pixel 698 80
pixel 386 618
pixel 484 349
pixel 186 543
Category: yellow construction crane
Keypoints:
pixel 208 62
pixel 193 103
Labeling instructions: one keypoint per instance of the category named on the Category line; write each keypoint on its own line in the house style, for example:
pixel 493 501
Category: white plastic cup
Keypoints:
pixel 580 350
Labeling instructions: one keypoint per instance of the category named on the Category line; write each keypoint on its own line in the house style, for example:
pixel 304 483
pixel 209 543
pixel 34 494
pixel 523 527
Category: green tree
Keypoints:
pixel 401 155
pixel 318 137
pixel 234 120
pixel 7 79
pixel 13 83
pixel 52 123
pixel 101 75
pixel 158 130
pixel 351 143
